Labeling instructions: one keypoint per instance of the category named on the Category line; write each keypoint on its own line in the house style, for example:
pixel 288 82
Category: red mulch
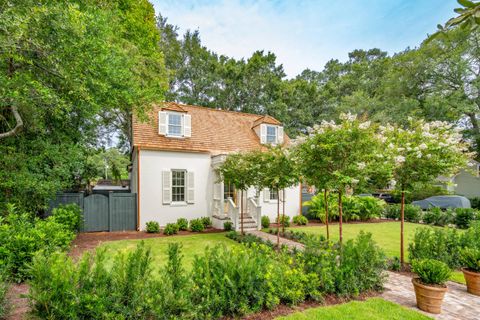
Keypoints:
pixel 18 305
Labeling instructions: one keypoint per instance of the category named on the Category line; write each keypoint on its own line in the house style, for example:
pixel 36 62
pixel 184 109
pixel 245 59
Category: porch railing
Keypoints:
pixel 232 212
pixel 255 211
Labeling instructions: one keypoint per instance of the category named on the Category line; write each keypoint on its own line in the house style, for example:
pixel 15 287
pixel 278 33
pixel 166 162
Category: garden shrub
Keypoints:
pixel 394 264
pixel 439 244
pixel 182 224
pixel 475 203
pixel 207 222
pixel 471 259
pixel 300 220
pixel 170 229
pixel 197 225
pixel 464 217
pixel 153 227
pixel 438 217
pixel 284 220
pixel 431 271
pixel 412 213
pixel 227 226
pixel 69 215
pixel 265 222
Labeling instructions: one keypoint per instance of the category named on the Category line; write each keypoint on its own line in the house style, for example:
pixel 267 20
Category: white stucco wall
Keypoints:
pixel 152 163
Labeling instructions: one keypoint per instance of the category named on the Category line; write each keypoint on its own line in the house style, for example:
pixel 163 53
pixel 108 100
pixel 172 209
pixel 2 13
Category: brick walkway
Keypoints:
pixel 273 238
pixel 458 303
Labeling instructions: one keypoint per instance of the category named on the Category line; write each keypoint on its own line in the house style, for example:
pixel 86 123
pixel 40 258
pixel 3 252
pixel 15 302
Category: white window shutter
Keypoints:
pixel 280 135
pixel 166 187
pixel 263 133
pixel 190 187
pixel 266 195
pixel 162 123
pixel 187 125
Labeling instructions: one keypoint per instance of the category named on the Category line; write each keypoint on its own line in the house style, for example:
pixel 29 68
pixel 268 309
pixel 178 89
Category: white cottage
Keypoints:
pixel 174 157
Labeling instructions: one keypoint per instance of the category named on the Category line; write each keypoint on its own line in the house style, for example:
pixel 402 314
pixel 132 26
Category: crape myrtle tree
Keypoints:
pixel 339 156
pixel 420 153
pixel 240 169
pixel 275 170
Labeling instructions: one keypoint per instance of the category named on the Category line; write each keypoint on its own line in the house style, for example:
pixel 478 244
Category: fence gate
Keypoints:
pixel 95 213
pixel 111 212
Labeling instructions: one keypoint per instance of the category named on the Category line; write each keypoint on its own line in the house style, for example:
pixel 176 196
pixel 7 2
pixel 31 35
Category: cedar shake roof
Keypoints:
pixel 213 131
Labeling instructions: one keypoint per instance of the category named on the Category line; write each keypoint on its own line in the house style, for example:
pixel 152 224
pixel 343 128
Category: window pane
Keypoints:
pixel 178 185
pixel 174 124
pixel 273 195
pixel 271 134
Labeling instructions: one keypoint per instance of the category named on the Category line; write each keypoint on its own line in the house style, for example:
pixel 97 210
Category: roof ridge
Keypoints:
pixel 220 110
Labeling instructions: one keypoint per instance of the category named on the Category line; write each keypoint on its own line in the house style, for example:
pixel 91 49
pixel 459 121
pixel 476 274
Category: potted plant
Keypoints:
pixel 430 285
pixel 471 269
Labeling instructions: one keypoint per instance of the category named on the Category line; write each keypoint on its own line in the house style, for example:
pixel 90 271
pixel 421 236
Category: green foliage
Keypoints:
pixel 109 164
pixel 438 217
pixel 471 259
pixel 170 229
pixel 475 203
pixel 23 236
pixel 3 295
pixel 265 222
pixel 412 213
pixel 207 222
pixel 431 271
pixel 300 220
pixel 69 215
pixel 197 225
pixel 228 226
pixel 284 221
pixel 395 264
pixel 465 216
pixel 182 224
pixel 153 227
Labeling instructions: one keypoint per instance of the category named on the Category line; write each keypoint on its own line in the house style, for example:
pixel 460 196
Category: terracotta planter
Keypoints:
pixel 473 281
pixel 429 298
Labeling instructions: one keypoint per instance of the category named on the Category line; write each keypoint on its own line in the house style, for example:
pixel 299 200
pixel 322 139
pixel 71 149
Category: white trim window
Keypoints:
pixel 273 195
pixel 272 134
pixel 178 186
pixel 175 124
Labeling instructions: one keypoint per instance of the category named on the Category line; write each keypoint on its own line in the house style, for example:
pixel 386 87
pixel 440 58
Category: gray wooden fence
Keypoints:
pixel 112 212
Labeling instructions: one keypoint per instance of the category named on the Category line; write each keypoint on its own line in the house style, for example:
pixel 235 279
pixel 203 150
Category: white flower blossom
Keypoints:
pixel 399 159
pixel 348 117
pixel 364 125
pixel 423 146
pixel 361 165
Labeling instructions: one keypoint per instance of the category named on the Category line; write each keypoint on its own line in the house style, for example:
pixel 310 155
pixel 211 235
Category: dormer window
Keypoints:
pixel 174 124
pixel 272 134
pixel 175 127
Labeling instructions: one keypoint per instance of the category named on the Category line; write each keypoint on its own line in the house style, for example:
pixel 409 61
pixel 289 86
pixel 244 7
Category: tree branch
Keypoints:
pixel 18 126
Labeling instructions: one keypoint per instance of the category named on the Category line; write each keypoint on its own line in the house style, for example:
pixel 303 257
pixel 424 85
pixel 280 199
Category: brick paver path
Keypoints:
pixel 273 238
pixel 457 305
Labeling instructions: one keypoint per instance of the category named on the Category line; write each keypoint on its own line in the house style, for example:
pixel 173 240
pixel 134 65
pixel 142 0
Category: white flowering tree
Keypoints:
pixel 336 156
pixel 276 171
pixel 420 153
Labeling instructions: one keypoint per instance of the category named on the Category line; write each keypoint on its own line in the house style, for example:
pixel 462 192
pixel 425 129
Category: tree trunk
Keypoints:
pixel 241 212
pixel 278 222
pixel 13 108
pixel 340 214
pixel 325 196
pixel 402 219
pixel 283 210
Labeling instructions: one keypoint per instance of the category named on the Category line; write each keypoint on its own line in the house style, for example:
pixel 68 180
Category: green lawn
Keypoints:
pixel 374 308
pixel 192 245
pixel 386 234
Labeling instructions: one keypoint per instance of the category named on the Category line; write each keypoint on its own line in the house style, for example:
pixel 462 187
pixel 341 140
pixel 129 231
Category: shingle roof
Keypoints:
pixel 213 131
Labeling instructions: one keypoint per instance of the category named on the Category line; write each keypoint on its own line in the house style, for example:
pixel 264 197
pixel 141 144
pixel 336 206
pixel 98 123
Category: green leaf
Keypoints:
pixel 467 3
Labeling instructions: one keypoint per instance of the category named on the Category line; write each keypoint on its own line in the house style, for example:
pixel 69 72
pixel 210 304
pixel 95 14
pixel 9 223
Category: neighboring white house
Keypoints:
pixel 174 157
pixel 465 183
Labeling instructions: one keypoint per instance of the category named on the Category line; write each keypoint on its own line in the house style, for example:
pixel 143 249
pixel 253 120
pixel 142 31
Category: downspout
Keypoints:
pixel 138 188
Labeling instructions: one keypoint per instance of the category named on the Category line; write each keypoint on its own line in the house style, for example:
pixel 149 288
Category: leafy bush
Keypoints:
pixel 284 220
pixel 439 244
pixel 300 220
pixel 207 222
pixel 412 213
pixel 471 259
pixel 3 295
pixel 23 235
pixel 170 229
pixel 69 215
pixel 265 222
pixel 475 203
pixel 464 217
pixel 227 226
pixel 197 225
pixel 438 217
pixel 431 271
pixel 153 227
pixel 394 264
pixel 182 224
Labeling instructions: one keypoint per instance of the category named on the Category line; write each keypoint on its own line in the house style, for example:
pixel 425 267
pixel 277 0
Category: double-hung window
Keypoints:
pixel 175 127
pixel 273 195
pixel 178 185
pixel 271 134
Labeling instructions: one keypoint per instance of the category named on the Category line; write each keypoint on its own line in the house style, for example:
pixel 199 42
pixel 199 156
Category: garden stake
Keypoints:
pixel 402 219
pixel 326 212
pixel 278 222
pixel 340 213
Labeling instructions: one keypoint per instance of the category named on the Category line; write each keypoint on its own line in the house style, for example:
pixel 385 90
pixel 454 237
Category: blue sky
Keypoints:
pixel 306 34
